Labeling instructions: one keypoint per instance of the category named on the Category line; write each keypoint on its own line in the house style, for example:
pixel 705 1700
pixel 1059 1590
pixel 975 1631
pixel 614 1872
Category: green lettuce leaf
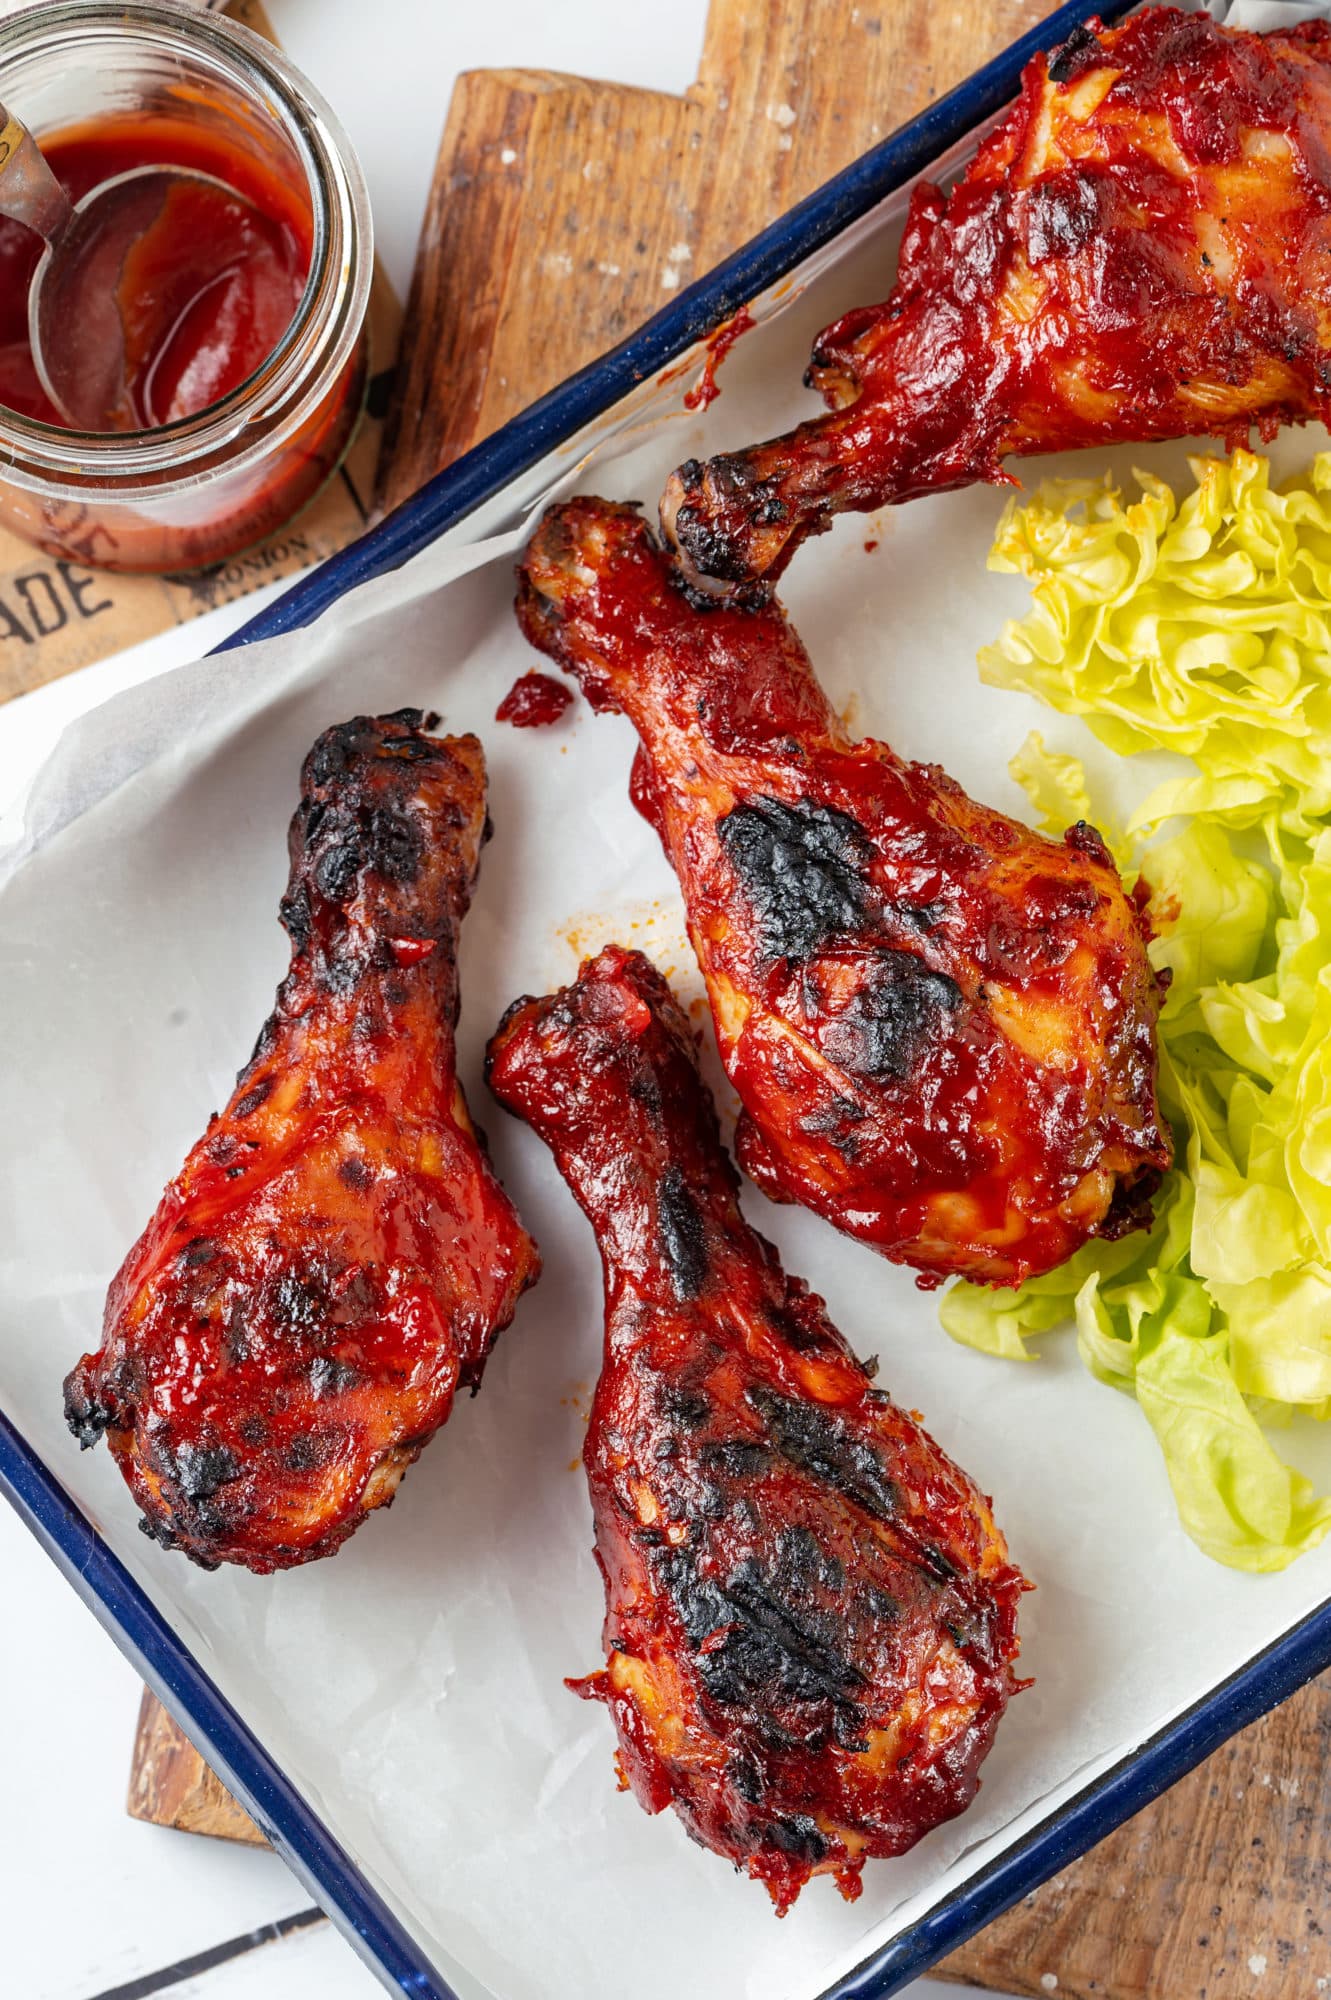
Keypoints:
pixel 1202 626
pixel 1236 1498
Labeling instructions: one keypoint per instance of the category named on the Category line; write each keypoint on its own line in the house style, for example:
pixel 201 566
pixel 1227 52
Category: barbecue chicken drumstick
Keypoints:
pixel 335 1256
pixel 940 1025
pixel 810 1615
pixel 1142 250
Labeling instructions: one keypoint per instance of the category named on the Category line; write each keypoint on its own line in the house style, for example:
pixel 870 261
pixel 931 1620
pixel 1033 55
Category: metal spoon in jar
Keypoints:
pixel 76 324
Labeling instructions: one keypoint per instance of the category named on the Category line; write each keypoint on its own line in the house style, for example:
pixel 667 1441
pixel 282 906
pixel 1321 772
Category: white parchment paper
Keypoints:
pixel 413 1687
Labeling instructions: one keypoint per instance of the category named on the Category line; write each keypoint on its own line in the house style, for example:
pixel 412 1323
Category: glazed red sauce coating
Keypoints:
pixel 810 1615
pixel 224 278
pixel 533 701
pixel 335 1257
pixel 1140 251
pixel 941 1026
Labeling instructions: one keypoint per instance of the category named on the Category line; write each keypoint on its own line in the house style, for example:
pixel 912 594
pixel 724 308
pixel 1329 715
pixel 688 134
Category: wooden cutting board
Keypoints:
pixel 562 214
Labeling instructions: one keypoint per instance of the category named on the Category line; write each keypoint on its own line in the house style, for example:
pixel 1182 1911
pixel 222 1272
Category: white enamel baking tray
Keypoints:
pixel 396 1719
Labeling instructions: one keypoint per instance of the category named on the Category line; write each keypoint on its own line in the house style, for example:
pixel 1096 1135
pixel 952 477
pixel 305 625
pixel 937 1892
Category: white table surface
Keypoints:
pixel 93 1905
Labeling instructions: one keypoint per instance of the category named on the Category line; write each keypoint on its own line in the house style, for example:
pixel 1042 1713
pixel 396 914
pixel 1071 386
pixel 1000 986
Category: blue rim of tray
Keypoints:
pixel 103 1582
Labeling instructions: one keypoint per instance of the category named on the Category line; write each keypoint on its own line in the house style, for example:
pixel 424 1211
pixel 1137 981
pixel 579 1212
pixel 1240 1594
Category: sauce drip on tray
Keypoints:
pixel 534 699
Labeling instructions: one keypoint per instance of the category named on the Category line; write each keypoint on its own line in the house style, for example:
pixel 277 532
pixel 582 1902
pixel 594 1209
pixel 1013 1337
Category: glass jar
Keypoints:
pixel 200 489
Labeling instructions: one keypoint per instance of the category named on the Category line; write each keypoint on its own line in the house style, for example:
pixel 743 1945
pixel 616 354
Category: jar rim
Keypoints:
pixel 322 335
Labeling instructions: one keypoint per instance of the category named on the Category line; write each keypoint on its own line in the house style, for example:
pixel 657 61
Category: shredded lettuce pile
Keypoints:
pixel 1203 626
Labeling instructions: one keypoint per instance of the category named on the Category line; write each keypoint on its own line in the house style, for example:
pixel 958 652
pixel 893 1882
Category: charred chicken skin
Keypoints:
pixel 810 1615
pixel 940 1025
pixel 335 1257
pixel 1141 251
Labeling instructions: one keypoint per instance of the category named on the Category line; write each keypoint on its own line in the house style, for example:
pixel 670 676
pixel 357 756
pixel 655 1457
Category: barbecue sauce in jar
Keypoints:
pixel 223 278
pixel 244 318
